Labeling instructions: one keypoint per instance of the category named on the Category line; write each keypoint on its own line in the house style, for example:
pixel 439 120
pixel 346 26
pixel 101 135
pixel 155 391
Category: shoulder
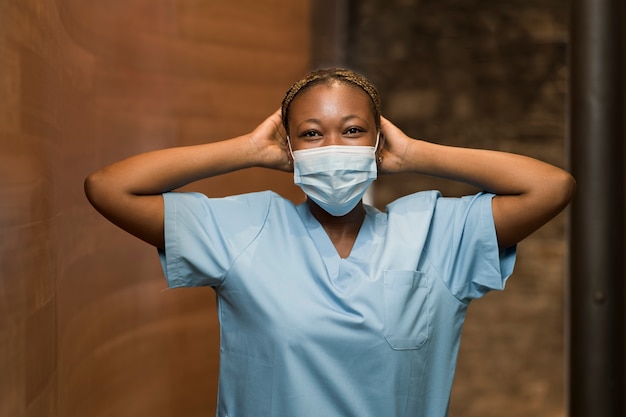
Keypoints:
pixel 249 208
pixel 199 201
pixel 433 205
pixel 434 199
pixel 417 201
pixel 443 217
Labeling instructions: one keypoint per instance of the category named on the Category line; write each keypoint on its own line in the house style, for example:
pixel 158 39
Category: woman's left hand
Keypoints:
pixel 394 145
pixel 528 192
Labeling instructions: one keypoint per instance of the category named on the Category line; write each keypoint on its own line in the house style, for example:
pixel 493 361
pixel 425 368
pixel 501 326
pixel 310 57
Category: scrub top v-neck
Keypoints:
pixel 306 333
pixel 361 252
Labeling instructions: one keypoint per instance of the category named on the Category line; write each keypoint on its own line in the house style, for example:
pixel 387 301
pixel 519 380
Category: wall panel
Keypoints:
pixel 86 328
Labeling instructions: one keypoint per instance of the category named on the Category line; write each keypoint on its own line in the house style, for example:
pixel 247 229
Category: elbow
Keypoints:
pixel 564 189
pixel 95 189
pixel 90 185
pixel 569 187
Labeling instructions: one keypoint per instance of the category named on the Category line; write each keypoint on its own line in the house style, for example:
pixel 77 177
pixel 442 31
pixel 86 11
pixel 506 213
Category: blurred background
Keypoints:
pixel 86 328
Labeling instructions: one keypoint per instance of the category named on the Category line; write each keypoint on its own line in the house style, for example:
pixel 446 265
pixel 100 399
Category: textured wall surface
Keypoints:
pixel 85 328
pixel 487 74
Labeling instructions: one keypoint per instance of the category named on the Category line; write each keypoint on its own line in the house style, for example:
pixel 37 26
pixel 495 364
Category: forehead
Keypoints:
pixel 336 97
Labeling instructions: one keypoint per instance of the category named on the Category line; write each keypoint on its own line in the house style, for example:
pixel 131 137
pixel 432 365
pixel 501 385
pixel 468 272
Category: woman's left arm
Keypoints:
pixel 528 192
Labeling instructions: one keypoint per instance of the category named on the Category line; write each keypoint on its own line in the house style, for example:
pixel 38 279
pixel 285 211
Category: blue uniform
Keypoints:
pixel 307 333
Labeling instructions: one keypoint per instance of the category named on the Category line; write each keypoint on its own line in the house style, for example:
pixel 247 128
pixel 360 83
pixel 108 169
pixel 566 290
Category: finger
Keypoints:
pixel 385 124
pixel 278 115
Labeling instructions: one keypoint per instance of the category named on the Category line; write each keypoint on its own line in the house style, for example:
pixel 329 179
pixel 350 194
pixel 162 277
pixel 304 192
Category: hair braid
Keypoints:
pixel 328 76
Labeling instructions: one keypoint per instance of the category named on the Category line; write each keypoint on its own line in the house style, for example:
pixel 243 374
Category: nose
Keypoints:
pixel 333 138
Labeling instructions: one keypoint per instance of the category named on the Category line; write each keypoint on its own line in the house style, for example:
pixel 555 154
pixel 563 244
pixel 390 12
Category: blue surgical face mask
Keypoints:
pixel 335 177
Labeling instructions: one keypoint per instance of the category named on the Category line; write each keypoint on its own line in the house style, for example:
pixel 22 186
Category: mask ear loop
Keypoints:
pixel 289 144
pixel 290 150
pixel 379 158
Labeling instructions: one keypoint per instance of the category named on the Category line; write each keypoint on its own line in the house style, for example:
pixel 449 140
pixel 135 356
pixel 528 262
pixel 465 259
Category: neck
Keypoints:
pixel 352 219
pixel 342 230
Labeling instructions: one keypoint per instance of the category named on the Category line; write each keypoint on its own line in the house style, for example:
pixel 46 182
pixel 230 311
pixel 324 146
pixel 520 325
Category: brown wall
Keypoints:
pixel 85 328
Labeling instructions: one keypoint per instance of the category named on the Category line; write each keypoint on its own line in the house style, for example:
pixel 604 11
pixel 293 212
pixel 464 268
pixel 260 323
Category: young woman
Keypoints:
pixel 331 307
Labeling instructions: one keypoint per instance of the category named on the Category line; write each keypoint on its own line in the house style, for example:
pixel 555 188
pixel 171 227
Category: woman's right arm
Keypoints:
pixel 128 193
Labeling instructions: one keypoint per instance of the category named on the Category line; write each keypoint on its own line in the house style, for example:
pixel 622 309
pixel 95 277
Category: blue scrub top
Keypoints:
pixel 304 332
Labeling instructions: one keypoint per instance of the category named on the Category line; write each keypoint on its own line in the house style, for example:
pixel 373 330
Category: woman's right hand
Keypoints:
pixel 128 192
pixel 269 144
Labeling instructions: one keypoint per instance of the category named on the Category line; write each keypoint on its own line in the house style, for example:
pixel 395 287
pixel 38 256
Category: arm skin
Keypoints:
pixel 528 192
pixel 128 193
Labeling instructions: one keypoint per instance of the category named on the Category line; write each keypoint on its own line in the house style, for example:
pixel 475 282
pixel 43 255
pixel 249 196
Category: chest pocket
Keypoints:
pixel 407 309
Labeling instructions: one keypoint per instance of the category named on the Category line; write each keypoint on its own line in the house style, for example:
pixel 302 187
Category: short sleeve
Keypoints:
pixel 463 247
pixel 204 236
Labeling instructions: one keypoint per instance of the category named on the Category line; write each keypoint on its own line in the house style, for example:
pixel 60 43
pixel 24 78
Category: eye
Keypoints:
pixel 354 131
pixel 312 134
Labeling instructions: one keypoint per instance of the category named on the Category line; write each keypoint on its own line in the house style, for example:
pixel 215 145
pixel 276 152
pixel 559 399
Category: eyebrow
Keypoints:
pixel 343 119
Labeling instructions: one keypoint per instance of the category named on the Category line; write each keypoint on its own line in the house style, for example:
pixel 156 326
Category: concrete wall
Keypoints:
pixel 85 328
pixel 487 74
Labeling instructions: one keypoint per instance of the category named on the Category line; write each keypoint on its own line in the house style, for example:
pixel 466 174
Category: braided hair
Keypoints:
pixel 329 76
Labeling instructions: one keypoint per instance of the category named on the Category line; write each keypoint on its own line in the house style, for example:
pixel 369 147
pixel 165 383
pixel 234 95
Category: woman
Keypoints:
pixel 331 307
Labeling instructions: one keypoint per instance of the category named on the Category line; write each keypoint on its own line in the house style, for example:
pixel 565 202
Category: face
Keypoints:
pixel 331 114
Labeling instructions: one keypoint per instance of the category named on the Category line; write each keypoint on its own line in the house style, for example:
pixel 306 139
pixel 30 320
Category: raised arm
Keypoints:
pixel 128 193
pixel 528 192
